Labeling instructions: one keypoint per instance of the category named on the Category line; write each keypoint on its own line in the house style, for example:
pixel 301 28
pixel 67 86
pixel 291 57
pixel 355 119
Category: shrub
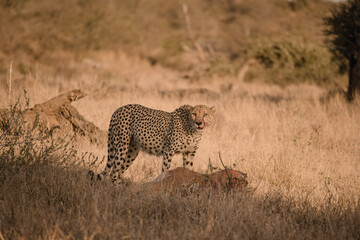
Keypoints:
pixel 285 61
pixel 343 28
pixel 24 143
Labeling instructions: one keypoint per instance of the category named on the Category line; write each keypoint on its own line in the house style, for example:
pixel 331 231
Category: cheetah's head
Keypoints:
pixel 201 116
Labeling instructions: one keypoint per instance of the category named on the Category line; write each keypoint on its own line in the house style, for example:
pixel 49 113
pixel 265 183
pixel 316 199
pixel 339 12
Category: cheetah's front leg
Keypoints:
pixel 188 159
pixel 167 160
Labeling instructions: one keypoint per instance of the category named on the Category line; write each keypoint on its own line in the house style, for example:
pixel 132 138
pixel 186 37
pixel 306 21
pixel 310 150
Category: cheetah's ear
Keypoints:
pixel 213 109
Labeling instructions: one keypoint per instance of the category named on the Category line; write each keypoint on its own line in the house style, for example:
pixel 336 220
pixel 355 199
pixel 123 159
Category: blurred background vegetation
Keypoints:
pixel 198 38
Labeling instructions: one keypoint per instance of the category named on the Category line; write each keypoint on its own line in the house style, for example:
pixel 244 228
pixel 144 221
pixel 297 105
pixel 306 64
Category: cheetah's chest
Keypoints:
pixel 186 144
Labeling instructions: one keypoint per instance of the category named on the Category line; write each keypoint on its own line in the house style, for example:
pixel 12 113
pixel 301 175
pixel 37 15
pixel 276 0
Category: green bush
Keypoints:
pixel 287 61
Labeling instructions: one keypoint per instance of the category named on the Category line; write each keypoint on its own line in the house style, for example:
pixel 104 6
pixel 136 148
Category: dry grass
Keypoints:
pixel 301 155
pixel 53 203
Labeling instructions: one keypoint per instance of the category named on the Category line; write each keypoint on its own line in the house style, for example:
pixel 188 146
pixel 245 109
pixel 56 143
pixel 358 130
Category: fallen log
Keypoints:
pixel 58 116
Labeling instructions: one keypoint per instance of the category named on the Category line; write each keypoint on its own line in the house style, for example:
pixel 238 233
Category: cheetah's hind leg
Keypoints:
pixel 125 162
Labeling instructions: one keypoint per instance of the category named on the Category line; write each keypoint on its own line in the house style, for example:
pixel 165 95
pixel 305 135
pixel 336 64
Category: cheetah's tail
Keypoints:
pixel 91 174
pixel 101 175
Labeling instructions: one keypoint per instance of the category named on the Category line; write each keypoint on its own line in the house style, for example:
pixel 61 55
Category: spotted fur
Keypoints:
pixel 135 127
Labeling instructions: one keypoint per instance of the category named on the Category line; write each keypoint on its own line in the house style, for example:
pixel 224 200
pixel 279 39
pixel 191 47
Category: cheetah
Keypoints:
pixel 135 127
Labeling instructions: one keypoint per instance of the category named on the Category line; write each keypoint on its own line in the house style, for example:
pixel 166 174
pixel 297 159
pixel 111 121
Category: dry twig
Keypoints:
pixel 9 83
pixel 262 177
